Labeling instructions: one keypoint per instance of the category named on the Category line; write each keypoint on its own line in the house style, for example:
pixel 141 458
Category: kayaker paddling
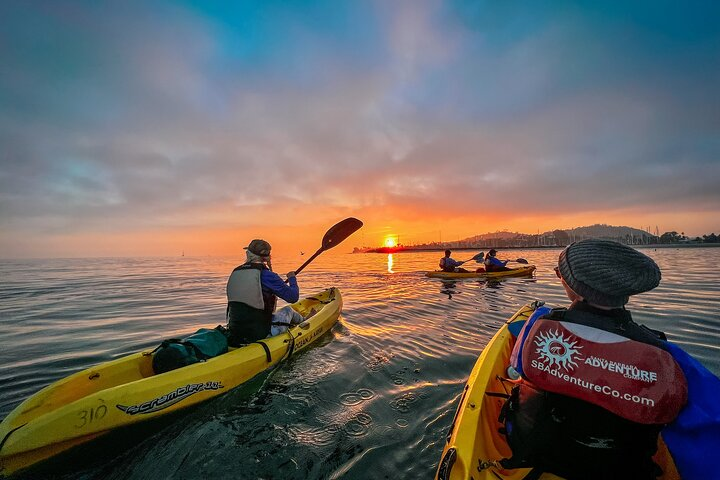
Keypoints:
pixel 493 264
pixel 252 293
pixel 448 264
pixel 253 289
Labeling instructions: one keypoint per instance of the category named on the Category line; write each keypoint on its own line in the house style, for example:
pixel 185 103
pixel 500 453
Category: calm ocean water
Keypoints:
pixel 374 399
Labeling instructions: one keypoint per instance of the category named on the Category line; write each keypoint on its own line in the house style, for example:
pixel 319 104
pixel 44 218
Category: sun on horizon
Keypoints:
pixel 390 241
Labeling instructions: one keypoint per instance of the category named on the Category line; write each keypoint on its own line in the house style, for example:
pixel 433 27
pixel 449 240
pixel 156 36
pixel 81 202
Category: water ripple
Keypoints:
pixel 372 399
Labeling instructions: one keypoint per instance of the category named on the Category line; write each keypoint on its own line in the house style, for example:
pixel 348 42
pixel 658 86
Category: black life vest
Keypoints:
pixel 249 320
pixel 603 426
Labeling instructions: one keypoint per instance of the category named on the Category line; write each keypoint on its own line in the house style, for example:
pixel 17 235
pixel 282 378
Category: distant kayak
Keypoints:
pixel 123 392
pixel 515 272
pixel 474 441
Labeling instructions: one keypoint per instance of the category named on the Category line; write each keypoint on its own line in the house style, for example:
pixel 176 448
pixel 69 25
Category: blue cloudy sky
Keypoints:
pixel 143 127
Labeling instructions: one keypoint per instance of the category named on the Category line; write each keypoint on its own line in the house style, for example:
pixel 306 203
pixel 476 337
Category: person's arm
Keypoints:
pixel 290 292
pixel 497 262
pixel 454 263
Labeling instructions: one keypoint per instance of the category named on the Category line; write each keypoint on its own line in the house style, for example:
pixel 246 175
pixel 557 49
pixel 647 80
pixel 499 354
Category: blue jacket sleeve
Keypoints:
pixel 453 263
pixel 290 292
pixel 499 263
pixel 522 335
pixel 693 438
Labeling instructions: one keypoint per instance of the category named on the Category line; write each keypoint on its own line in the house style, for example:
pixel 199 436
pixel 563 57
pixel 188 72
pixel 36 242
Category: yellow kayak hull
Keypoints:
pixel 123 392
pixel 515 272
pixel 474 438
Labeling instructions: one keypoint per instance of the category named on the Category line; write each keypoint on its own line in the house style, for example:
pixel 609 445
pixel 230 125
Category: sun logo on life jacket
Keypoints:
pixel 554 349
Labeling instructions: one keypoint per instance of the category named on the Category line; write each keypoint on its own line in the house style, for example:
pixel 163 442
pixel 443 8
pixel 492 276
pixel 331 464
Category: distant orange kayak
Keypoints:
pixel 515 272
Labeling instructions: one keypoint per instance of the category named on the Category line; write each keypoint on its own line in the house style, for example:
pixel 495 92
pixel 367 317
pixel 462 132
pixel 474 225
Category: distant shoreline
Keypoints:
pixel 386 250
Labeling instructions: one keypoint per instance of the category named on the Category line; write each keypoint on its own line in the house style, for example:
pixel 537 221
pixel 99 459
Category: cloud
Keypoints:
pixel 136 116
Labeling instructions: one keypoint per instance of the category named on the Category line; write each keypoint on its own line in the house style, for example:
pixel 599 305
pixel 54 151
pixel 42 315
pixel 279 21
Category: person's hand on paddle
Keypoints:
pixel 290 274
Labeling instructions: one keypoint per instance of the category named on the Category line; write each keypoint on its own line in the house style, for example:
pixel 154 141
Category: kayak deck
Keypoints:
pixel 474 437
pixel 515 272
pixel 125 391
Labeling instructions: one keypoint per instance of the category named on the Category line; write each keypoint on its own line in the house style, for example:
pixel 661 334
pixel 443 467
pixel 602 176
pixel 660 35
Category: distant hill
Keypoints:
pixel 504 235
pixel 579 233
pixel 551 238
pixel 605 231
pixel 628 235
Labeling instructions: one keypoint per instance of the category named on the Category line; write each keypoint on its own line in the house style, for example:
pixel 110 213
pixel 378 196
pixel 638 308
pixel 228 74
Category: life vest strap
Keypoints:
pixel 267 350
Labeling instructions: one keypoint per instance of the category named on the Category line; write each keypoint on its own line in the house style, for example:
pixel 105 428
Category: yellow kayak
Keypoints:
pixel 515 272
pixel 123 392
pixel 474 442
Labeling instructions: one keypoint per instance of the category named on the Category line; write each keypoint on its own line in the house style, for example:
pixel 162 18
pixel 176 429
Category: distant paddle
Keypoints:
pixel 337 233
pixel 519 260
pixel 478 258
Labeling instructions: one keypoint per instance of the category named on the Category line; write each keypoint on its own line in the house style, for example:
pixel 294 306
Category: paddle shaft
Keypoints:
pixel 336 234
pixel 307 262
pixel 519 260
pixel 476 258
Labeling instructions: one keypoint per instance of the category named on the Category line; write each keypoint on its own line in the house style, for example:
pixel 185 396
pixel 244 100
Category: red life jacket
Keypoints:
pixel 634 380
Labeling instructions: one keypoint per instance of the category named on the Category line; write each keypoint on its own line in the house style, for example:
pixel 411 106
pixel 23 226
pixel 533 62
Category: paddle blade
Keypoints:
pixel 521 260
pixel 339 232
pixel 479 257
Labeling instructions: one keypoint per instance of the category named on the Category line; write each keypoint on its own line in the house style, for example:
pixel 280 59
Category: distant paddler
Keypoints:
pixel 493 264
pixel 448 264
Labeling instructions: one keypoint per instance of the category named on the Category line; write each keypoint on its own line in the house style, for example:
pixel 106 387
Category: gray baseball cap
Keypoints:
pixel 259 247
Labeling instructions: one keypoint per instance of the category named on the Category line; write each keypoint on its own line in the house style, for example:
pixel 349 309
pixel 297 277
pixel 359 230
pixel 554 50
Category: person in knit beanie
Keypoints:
pixel 569 415
pixel 604 273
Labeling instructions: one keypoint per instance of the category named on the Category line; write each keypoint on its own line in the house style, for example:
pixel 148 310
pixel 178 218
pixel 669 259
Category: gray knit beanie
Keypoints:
pixel 606 273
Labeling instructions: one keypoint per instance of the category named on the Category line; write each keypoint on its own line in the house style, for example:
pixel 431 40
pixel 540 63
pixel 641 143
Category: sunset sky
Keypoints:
pixel 152 128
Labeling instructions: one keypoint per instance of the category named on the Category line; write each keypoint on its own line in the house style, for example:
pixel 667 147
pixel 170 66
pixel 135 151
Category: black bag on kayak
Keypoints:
pixel 175 353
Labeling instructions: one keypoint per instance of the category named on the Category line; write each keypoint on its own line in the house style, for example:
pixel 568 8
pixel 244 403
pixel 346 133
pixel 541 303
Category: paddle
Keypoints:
pixel 337 233
pixel 478 258
pixel 519 260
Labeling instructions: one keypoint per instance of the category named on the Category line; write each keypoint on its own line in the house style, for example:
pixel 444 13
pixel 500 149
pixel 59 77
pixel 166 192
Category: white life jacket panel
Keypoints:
pixel 244 286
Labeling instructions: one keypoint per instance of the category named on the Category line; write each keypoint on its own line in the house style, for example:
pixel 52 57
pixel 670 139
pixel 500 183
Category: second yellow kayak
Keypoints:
pixel 515 272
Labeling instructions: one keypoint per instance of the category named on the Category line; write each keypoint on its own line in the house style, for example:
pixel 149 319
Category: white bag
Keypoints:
pixel 283 319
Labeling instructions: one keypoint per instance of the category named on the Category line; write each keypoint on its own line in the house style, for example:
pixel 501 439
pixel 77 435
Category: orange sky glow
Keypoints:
pixel 429 121
pixel 380 229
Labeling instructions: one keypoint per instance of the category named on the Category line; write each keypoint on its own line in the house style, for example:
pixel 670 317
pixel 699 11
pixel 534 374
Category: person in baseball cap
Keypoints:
pixel 493 264
pixel 252 293
pixel 259 247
